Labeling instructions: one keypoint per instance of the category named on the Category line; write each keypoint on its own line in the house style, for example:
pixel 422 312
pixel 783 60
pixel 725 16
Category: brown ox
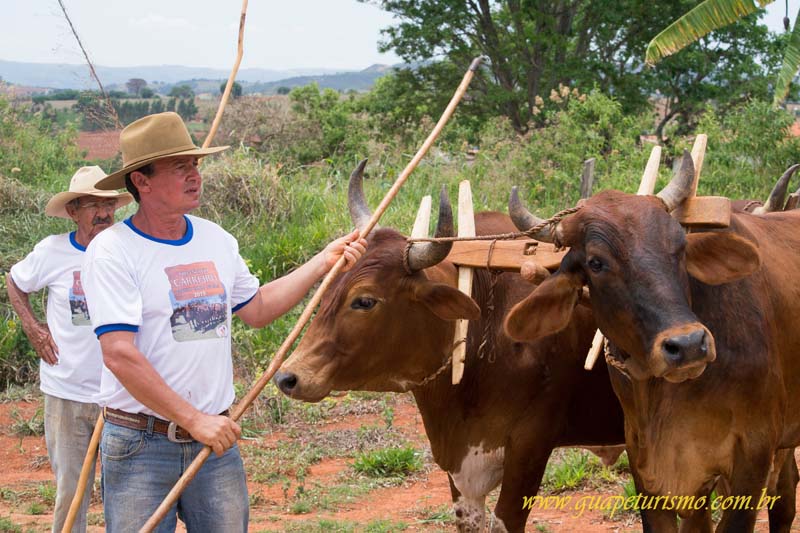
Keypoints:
pixel 704 339
pixel 381 328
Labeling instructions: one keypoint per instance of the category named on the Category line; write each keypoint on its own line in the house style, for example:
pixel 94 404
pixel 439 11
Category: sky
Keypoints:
pixel 279 34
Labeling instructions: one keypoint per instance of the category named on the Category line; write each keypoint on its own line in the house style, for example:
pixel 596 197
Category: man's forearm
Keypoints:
pixel 280 295
pixel 21 303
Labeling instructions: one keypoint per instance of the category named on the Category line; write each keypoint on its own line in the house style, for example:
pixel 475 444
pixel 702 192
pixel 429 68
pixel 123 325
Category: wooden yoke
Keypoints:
pixel 702 211
pixel 423 221
pixel 466 228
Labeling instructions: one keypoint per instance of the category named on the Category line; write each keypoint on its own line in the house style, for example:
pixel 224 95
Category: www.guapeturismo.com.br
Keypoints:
pixel 613 504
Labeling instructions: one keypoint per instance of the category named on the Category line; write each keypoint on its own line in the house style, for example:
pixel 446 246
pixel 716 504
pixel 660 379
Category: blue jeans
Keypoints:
pixel 141 467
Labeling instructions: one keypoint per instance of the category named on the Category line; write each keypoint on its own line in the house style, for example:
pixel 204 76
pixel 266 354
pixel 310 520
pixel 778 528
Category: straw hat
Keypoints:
pixel 83 183
pixel 149 139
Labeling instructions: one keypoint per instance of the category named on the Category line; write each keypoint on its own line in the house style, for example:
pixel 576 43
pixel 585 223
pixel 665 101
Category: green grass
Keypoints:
pixel 7 526
pixel 438 515
pixel 573 468
pixel 36 508
pixel 27 427
pixel 389 462
pixel 47 493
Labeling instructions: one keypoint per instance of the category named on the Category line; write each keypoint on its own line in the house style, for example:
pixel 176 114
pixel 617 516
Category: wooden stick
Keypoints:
pixel 423 221
pixel 277 360
pixel 648 183
pixel 88 463
pixel 587 178
pixel 698 156
pixel 224 100
pixel 646 187
pixel 466 228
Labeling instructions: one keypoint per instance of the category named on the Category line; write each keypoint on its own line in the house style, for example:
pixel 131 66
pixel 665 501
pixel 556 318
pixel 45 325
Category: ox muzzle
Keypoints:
pixel 682 352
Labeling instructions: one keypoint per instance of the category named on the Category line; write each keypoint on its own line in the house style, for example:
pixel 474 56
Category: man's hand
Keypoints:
pixel 218 432
pixel 42 341
pixel 351 246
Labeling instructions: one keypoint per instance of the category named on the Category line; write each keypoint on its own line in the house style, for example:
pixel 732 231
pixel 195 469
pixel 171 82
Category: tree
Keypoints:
pixel 181 91
pixel 711 15
pixel 283 90
pixel 531 47
pixel 135 85
pixel 236 90
pixel 147 92
pixel 187 109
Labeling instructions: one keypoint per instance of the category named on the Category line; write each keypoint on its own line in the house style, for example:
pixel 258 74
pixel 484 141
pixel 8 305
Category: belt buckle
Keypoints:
pixel 171 430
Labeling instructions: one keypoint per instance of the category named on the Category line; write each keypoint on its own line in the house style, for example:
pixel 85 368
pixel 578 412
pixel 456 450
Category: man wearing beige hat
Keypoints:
pixel 162 287
pixel 69 373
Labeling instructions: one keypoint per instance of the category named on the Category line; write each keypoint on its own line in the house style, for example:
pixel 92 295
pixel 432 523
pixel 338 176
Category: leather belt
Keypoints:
pixel 141 421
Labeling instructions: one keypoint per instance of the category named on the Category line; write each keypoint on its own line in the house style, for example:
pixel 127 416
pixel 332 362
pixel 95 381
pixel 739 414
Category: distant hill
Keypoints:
pixel 67 76
pixel 343 81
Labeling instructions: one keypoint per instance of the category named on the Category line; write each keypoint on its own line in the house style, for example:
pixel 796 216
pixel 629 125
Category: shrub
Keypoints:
pixel 389 462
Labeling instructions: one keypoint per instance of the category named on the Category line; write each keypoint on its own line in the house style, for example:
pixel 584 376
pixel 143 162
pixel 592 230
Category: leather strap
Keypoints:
pixel 141 421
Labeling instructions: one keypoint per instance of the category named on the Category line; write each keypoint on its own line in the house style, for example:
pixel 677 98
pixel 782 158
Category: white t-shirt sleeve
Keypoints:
pixel 115 303
pixel 31 274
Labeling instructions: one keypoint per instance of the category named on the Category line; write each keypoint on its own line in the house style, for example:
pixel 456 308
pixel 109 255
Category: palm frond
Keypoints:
pixel 706 17
pixel 791 62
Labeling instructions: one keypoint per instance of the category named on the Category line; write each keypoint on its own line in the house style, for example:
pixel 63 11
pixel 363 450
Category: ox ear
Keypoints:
pixel 715 258
pixel 446 302
pixel 547 310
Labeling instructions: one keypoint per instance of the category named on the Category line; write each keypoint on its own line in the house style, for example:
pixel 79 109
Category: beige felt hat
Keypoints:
pixel 150 138
pixel 83 183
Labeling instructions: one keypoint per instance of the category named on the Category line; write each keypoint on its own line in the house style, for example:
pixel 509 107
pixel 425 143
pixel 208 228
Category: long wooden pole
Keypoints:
pixel 277 360
pixel 229 86
pixel 89 460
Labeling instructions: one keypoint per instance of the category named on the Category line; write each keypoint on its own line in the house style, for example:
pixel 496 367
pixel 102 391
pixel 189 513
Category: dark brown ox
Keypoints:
pixel 703 331
pixel 381 328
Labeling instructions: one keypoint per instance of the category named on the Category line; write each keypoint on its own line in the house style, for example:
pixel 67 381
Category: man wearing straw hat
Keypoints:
pixel 69 374
pixel 162 287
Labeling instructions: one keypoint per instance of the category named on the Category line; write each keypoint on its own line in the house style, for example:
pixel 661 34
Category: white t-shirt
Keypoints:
pixel 55 263
pixel 177 296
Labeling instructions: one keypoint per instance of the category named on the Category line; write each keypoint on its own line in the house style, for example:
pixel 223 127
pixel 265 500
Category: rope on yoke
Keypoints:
pixel 552 221
pixel 487 325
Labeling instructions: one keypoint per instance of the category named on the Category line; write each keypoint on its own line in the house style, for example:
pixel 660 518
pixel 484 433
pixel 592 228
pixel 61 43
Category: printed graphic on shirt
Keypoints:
pixel 199 302
pixel 77 302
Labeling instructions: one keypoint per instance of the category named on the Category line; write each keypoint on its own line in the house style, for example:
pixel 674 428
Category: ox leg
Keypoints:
pixel 781 513
pixel 749 477
pixel 523 469
pixel 470 516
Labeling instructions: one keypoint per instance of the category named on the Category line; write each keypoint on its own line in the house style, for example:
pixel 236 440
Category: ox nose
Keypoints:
pixel 286 382
pixel 685 348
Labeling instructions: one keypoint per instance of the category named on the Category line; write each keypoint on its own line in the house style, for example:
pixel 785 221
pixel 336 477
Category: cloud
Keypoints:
pixel 159 22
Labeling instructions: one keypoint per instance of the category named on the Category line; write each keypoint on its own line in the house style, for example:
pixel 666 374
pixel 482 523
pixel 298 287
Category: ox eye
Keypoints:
pixel 363 303
pixel 595 265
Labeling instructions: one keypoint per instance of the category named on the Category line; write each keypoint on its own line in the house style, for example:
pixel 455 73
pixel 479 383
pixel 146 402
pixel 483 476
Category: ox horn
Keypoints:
pixel 680 187
pixel 360 213
pixel 524 219
pixel 426 254
pixel 778 194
